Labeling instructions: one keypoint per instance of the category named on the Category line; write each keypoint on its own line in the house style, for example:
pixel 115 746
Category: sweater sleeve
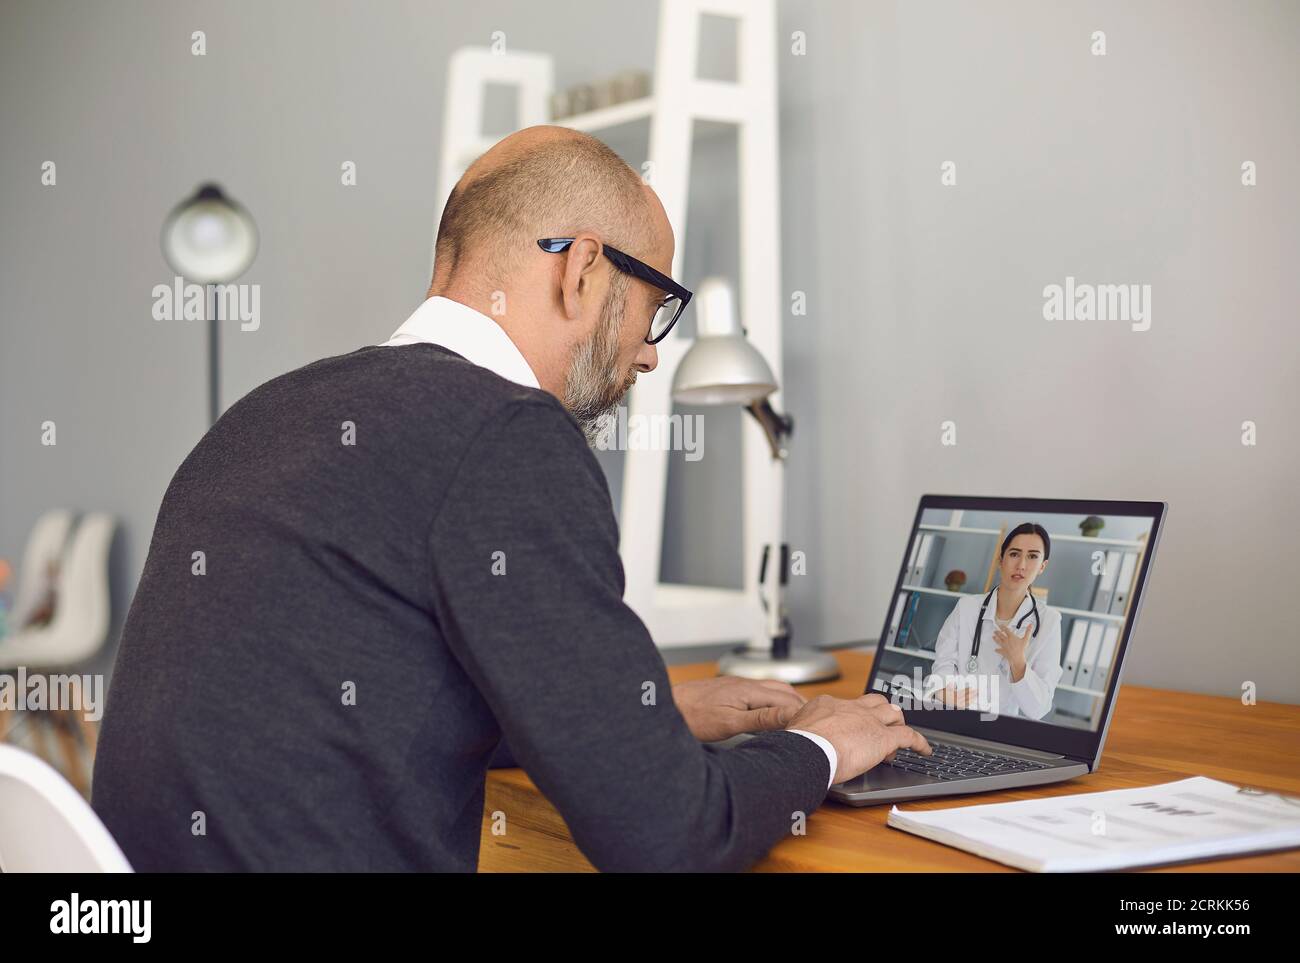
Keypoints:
pixel 527 586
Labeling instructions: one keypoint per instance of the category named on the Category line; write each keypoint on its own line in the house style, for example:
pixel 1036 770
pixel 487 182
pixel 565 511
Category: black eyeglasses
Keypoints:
pixel 667 311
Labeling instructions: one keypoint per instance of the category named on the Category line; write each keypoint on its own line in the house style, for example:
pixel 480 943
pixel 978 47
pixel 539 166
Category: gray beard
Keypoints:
pixel 594 383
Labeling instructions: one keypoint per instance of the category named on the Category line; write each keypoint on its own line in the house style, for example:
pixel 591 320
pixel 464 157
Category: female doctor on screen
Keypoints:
pixel 1006 635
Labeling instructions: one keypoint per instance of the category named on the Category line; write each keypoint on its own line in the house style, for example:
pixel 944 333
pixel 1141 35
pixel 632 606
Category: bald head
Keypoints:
pixel 581 322
pixel 540 182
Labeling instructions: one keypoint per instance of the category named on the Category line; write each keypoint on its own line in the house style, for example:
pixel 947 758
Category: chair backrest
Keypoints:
pixel 45 544
pixel 79 628
pixel 80 624
pixel 45 825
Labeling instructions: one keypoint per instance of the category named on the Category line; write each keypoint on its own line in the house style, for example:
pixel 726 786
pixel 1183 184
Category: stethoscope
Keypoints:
pixel 979 625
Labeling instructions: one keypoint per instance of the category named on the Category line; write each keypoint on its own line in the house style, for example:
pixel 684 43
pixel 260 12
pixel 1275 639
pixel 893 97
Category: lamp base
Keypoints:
pixel 802 665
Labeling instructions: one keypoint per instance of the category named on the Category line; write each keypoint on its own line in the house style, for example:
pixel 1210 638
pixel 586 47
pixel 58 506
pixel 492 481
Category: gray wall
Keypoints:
pixel 924 301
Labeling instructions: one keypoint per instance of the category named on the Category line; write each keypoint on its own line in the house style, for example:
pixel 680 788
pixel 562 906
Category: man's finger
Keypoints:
pixel 890 715
pixel 782 687
pixel 768 718
pixel 905 737
pixel 757 695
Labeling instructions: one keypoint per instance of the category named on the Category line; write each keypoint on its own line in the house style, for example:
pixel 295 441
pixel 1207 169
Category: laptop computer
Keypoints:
pixel 1054 587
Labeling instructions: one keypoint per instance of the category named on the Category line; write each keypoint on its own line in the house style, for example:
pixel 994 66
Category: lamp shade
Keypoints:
pixel 721 367
pixel 208 238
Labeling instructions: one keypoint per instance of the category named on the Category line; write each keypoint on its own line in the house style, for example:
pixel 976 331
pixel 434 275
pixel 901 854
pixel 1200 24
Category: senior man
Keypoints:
pixel 374 569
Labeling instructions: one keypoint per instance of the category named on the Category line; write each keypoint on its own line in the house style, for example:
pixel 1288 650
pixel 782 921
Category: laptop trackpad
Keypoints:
pixel 886 777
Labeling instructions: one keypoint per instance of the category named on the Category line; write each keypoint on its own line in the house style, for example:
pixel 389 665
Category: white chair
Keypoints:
pixel 45 825
pixel 45 544
pixel 77 631
pixel 79 627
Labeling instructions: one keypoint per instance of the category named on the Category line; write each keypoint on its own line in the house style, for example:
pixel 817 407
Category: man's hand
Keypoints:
pixel 864 731
pixel 720 708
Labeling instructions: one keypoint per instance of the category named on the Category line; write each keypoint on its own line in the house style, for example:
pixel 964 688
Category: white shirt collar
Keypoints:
pixel 472 335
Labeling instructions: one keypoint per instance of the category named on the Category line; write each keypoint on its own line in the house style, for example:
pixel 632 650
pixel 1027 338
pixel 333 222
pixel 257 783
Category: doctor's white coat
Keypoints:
pixel 1032 695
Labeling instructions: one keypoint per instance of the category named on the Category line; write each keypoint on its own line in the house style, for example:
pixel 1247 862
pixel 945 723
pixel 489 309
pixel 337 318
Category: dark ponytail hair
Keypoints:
pixel 1029 528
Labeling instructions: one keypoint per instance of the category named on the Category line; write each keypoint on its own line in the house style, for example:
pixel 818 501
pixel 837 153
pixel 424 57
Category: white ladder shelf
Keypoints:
pixel 676 614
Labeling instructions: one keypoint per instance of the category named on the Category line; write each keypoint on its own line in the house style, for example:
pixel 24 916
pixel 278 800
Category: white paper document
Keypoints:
pixel 1195 818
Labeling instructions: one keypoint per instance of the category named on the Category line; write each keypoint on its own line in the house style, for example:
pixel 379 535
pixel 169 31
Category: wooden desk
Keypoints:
pixel 1156 736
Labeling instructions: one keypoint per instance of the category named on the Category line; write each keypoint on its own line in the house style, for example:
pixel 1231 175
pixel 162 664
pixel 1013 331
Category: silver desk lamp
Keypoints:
pixel 723 368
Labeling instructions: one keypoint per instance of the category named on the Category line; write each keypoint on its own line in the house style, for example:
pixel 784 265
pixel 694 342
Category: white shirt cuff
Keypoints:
pixel 831 755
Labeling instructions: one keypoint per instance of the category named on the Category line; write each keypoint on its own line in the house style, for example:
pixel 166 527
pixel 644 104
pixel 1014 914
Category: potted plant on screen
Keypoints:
pixel 1091 525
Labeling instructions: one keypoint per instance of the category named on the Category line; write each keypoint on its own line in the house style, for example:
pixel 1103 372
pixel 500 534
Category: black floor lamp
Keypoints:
pixel 209 239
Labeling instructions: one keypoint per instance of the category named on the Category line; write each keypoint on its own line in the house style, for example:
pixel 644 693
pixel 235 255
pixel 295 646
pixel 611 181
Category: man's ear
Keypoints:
pixel 582 259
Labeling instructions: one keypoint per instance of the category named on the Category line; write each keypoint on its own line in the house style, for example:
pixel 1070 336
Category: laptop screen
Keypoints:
pixel 1014 612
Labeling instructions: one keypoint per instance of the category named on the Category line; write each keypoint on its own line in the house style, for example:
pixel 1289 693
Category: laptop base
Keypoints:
pixel 886 784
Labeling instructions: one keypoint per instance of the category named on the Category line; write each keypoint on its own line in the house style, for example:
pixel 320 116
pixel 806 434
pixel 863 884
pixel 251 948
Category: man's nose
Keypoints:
pixel 647 359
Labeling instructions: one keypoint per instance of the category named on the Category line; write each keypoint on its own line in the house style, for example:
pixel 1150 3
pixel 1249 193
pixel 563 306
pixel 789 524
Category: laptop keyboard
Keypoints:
pixel 956 762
